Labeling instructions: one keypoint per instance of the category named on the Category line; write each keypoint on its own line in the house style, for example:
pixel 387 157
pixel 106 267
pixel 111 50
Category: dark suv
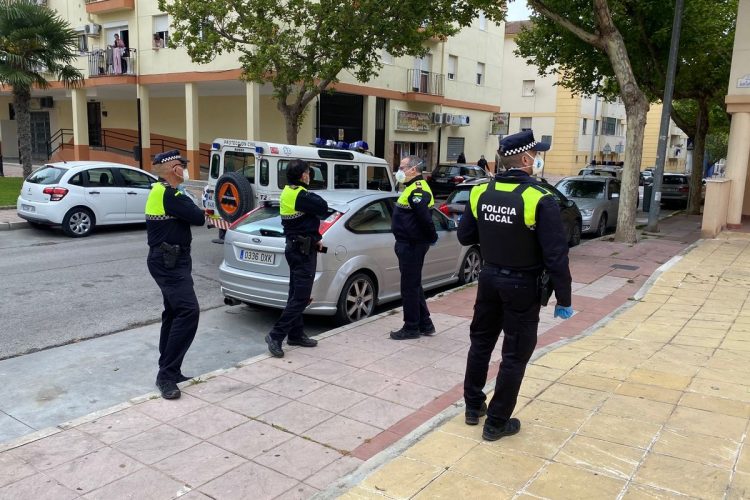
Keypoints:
pixel 445 177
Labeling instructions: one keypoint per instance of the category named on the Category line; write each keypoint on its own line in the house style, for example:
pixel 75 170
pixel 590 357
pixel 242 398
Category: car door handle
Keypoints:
pixel 132 192
pixel 94 192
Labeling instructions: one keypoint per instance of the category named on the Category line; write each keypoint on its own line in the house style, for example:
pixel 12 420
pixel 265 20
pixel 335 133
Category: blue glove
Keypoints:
pixel 563 312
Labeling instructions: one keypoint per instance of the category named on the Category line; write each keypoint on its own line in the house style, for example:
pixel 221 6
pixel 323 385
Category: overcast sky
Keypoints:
pixel 517 10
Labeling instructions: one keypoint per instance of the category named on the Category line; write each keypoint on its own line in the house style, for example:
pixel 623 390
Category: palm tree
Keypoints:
pixel 34 43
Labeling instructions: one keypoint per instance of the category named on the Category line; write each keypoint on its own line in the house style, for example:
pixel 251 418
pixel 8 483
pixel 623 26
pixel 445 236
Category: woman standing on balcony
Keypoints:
pixel 117 49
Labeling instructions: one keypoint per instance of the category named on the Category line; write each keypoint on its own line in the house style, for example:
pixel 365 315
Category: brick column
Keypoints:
pixel 80 125
pixel 252 90
pixel 192 130
pixel 144 94
pixel 736 168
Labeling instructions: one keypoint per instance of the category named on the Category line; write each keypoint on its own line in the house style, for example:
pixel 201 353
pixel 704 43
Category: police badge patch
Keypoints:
pixel 417 199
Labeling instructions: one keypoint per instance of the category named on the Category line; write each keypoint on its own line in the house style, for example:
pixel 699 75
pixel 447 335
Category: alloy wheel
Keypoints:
pixel 80 223
pixel 360 299
pixel 472 266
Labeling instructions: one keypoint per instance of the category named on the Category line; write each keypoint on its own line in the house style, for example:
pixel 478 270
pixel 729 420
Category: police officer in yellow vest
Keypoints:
pixel 518 226
pixel 414 232
pixel 301 213
pixel 169 215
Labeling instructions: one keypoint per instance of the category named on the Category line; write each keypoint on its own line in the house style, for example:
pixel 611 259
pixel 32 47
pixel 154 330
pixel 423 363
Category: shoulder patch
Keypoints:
pixel 416 199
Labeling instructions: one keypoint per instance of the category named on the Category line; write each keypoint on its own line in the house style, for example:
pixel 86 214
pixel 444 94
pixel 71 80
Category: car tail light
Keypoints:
pixel 444 208
pixel 457 179
pixel 326 224
pixel 242 218
pixel 684 189
pixel 55 193
pixel 427 176
pixel 209 211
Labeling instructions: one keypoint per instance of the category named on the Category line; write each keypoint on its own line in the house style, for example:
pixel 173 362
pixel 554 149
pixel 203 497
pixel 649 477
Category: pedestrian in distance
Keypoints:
pixel 301 213
pixel 461 158
pixel 169 215
pixel 482 163
pixel 520 233
pixel 414 231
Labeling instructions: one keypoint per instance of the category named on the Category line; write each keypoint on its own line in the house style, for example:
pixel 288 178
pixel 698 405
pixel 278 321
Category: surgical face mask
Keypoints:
pixel 400 176
pixel 185 173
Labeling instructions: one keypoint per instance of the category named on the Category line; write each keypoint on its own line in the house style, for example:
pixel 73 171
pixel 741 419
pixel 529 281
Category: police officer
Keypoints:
pixel 301 212
pixel 518 226
pixel 169 215
pixel 414 231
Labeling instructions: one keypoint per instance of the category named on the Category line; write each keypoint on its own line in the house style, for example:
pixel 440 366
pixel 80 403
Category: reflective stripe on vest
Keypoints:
pixel 155 203
pixel 531 195
pixel 403 200
pixel 288 201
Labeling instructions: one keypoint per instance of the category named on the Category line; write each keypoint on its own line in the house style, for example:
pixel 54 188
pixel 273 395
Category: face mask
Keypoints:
pixel 400 176
pixel 185 174
pixel 538 165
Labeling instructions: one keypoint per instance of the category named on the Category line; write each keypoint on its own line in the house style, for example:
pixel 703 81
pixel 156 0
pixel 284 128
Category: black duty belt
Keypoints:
pixel 513 273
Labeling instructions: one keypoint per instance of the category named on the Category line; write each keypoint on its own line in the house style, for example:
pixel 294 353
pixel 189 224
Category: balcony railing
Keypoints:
pixel 107 6
pixel 424 82
pixel 112 62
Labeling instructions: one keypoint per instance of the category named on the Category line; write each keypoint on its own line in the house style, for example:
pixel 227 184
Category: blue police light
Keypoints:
pixel 359 145
pixel 319 142
pixel 215 146
pixel 259 150
pixel 342 145
pixel 330 143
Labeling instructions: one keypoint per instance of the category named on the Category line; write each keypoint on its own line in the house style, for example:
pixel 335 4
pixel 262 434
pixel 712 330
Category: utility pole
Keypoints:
pixel 661 152
pixel 593 132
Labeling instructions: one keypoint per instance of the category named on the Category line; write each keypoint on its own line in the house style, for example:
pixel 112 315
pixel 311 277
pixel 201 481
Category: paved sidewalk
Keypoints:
pixel 293 427
pixel 654 404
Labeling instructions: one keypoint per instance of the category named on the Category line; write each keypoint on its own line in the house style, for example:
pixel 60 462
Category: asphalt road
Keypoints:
pixel 57 290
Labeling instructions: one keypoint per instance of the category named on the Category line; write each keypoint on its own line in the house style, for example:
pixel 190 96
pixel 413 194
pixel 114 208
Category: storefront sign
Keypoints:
pixel 499 123
pixel 744 82
pixel 413 121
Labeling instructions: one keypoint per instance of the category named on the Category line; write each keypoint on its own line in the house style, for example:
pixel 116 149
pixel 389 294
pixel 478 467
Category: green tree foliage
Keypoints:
pixel 302 46
pixel 35 43
pixel 646 26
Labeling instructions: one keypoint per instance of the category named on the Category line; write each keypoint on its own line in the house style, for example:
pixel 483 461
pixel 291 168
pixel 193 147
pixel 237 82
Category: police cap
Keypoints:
pixel 519 143
pixel 168 156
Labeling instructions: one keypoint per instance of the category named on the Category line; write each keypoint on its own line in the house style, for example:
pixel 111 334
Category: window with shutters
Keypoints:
pixel 585 124
pixel 480 73
pixel 161 28
pixel 527 89
pixel 525 123
pixel 547 139
pixel 455 148
pixel 452 67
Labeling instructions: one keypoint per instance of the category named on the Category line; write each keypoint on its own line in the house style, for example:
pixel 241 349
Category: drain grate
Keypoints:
pixel 625 267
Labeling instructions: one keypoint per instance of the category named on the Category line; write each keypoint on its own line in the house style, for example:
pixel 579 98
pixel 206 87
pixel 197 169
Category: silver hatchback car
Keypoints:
pixel 360 269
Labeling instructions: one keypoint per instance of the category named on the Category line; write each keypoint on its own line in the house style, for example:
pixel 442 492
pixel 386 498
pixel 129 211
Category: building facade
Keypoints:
pixel 581 129
pixel 436 107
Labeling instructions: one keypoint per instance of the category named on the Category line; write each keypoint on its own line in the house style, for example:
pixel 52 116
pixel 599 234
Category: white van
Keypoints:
pixel 244 173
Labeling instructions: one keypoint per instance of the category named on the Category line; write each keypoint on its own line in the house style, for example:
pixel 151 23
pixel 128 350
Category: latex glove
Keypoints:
pixel 563 312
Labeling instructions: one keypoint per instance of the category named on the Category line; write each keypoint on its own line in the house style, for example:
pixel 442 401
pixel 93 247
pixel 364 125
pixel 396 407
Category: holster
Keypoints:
pixel 170 254
pixel 544 285
pixel 303 244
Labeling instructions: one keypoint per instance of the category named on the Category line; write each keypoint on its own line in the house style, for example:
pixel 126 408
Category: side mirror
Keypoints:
pixel 570 203
pixel 452 226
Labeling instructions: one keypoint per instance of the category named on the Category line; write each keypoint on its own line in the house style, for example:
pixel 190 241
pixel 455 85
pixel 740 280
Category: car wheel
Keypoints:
pixel 234 196
pixel 575 235
pixel 78 222
pixel 601 229
pixel 357 299
pixel 470 267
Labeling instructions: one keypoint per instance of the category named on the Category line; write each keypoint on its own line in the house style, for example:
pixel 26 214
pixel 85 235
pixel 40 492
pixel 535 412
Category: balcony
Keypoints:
pixel 424 82
pixel 107 6
pixel 102 62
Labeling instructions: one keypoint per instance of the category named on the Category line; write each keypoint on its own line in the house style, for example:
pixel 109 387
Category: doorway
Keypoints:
pixel 40 135
pixel 340 117
pixel 380 107
pixel 94 113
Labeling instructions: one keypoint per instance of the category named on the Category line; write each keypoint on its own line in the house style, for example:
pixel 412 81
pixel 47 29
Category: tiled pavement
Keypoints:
pixel 289 428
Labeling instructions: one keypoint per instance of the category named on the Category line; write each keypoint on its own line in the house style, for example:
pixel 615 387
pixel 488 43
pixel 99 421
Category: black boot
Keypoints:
pixel 303 341
pixel 404 334
pixel 274 347
pixel 473 415
pixel 493 432
pixel 168 389
pixel 428 331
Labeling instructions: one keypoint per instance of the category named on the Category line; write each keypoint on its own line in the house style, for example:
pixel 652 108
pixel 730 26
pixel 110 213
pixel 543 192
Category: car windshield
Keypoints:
pixel 265 221
pixel 582 189
pixel 459 196
pixel 46 175
pixel 674 179
pixel 445 170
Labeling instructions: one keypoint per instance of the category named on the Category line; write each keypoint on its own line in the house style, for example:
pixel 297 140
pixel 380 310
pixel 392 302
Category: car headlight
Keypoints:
pixel 587 212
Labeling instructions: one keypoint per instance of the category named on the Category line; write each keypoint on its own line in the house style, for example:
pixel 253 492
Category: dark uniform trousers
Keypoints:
pixel 507 301
pixel 179 321
pixel 410 262
pixel 301 278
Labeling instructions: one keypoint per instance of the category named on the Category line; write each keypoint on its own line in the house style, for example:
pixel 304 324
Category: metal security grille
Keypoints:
pixel 455 147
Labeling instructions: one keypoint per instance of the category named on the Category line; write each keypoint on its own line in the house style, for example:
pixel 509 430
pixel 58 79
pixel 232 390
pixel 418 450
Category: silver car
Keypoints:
pixel 598 199
pixel 360 269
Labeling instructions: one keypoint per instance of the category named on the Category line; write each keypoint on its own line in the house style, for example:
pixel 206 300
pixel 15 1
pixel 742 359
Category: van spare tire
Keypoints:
pixel 233 196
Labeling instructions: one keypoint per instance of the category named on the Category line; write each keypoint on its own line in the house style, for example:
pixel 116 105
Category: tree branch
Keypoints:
pixel 590 38
pixel 680 121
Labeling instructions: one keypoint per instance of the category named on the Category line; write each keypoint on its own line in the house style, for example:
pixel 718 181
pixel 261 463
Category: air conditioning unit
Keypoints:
pixel 437 118
pixel 46 102
pixel 41 3
pixel 463 120
pixel 456 121
pixel 447 118
pixel 93 29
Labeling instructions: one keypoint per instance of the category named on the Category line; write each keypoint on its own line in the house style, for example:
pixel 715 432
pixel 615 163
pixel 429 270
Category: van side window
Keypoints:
pixel 377 178
pixel 215 158
pixel 345 176
pixel 264 173
pixel 318 174
pixel 237 161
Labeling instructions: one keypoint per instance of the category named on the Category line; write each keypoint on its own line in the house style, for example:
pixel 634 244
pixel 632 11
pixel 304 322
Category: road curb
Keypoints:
pixel 9 226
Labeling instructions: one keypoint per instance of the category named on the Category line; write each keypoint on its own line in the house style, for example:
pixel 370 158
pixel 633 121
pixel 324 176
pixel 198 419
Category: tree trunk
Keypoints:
pixel 292 115
pixel 21 100
pixel 699 148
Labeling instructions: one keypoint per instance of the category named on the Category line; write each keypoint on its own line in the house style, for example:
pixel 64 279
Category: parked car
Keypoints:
pixel 359 270
pixel 675 189
pixel 607 171
pixel 445 177
pixel 458 200
pixel 598 199
pixel 645 178
pixel 79 195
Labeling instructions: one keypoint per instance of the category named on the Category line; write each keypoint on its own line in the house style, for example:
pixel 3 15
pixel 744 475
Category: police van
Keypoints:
pixel 244 173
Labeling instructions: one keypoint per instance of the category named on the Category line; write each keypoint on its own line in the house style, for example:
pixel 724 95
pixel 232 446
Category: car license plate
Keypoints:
pixel 441 180
pixel 28 208
pixel 210 205
pixel 258 257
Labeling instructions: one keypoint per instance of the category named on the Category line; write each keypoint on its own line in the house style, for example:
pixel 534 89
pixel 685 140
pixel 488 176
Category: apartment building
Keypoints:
pixel 580 129
pixel 436 106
